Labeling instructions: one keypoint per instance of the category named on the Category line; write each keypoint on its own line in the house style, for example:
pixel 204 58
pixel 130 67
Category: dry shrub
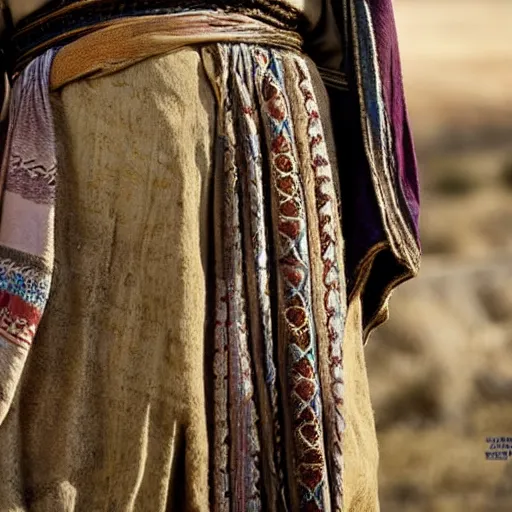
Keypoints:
pixel 454 181
pixel 506 173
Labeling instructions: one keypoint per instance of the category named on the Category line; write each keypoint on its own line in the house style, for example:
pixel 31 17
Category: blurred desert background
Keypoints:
pixel 441 368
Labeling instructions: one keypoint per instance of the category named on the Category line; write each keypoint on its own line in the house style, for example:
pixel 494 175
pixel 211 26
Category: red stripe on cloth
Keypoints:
pixel 18 318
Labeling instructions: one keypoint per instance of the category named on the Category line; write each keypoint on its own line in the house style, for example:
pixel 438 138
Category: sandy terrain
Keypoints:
pixel 448 344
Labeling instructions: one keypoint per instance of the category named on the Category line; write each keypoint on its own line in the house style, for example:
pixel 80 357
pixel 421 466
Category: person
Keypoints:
pixel 205 208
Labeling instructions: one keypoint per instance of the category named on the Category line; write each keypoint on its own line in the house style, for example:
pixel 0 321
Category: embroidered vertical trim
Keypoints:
pixel 258 278
pixel 220 393
pixel 262 370
pixel 244 435
pixel 237 485
pixel 333 282
pixel 289 220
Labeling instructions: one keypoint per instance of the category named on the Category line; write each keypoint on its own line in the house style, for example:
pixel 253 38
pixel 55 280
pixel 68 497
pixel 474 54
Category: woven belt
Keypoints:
pixel 62 21
pixel 130 40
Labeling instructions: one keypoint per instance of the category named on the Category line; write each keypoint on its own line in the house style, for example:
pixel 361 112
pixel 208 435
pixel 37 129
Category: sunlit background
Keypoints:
pixel 441 369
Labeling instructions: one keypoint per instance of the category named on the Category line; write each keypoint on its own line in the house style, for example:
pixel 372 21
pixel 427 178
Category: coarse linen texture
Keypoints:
pixel 196 351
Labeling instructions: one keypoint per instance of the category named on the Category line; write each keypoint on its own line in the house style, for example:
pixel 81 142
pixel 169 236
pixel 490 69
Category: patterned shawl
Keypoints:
pixel 28 179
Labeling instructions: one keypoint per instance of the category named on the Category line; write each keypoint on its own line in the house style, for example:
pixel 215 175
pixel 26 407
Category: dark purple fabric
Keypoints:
pixel 391 75
pixel 360 213
pixel 362 216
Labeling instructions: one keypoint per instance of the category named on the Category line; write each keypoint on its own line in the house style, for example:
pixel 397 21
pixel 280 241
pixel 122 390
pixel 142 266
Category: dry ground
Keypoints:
pixel 441 369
